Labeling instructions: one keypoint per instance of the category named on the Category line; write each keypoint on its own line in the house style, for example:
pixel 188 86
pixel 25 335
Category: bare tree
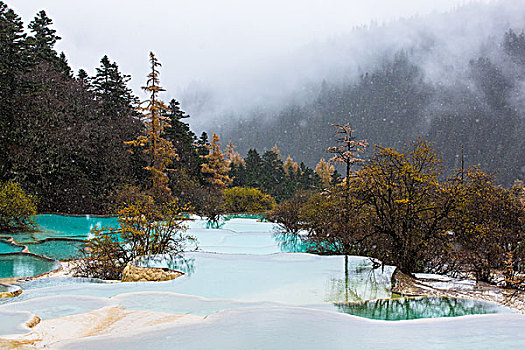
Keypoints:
pixel 347 152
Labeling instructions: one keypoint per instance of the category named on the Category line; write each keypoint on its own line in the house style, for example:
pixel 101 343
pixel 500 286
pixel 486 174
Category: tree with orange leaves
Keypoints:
pixel 159 150
pixel 216 167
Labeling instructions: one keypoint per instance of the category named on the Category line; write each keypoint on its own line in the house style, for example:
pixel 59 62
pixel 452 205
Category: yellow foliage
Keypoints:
pixel 216 166
pixel 247 200
pixel 17 209
pixel 145 229
pixel 290 167
pixel 160 151
pixel 325 172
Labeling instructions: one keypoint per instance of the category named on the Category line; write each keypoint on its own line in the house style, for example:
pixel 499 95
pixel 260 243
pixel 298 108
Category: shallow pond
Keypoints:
pixel 420 307
pixel 61 226
pixel 60 249
pixel 6 247
pixel 25 265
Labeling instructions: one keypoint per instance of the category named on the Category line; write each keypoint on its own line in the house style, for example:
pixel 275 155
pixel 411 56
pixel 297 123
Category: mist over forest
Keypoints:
pixel 455 79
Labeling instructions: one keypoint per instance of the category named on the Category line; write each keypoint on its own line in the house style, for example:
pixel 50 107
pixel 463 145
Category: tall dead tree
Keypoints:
pixel 347 151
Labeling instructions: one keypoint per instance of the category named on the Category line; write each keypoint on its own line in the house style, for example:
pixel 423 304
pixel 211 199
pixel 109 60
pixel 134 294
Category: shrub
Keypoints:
pixel 17 209
pixel 393 209
pixel 125 194
pixel 287 214
pixel 146 229
pixel 489 228
pixel 247 200
pixel 409 205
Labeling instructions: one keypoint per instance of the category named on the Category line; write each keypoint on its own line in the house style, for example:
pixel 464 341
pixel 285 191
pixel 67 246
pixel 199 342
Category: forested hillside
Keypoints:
pixel 77 143
pixel 479 113
pixel 62 136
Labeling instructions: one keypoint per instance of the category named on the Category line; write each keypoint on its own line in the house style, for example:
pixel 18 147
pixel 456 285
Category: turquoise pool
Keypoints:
pixel 25 265
pixel 6 247
pixel 61 226
pixel 59 249
pixel 420 307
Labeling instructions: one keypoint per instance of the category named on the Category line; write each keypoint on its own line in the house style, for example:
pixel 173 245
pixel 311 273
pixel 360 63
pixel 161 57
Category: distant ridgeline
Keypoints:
pixel 477 112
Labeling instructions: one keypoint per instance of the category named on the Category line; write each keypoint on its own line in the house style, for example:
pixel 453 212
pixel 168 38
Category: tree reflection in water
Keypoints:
pixel 361 281
pixel 290 242
pixel 418 307
pixel 175 262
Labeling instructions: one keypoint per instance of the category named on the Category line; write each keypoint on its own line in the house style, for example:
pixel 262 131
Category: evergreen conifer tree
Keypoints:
pixel 216 169
pixel 43 38
pixel 202 144
pixel 184 140
pixel 110 88
pixel 253 169
pixel 159 150
pixel 12 63
pixel 63 65
pixel 83 78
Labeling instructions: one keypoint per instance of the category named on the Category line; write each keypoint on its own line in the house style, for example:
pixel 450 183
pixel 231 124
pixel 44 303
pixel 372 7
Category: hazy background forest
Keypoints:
pixel 452 79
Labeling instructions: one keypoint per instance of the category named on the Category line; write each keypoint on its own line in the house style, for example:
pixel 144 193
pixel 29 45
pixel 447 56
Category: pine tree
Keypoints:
pixel 253 169
pixel 159 150
pixel 183 139
pixel 307 178
pixel 110 88
pixel 12 48
pixel 325 171
pixel 63 65
pixel 12 63
pixel 272 173
pixel 115 121
pixel 56 144
pixel 44 38
pixel 83 78
pixel 175 111
pixel 514 45
pixel 202 144
pixel 216 169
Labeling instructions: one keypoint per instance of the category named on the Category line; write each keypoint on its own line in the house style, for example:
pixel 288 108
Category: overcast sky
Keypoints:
pixel 216 43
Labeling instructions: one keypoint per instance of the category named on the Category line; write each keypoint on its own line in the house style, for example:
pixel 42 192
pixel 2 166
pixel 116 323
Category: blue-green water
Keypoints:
pixel 415 308
pixel 6 247
pixel 61 226
pixel 244 264
pixel 25 265
pixel 58 236
pixel 59 249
